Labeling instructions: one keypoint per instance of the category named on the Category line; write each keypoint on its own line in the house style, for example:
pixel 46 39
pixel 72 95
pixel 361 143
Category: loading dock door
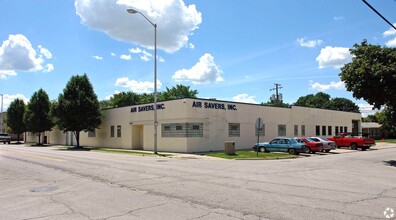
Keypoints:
pixel 137 137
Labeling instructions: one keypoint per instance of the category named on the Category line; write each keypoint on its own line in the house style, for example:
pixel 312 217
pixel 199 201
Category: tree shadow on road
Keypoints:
pixel 390 163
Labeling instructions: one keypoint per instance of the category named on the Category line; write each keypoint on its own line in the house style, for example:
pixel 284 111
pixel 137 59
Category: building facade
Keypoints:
pixel 200 125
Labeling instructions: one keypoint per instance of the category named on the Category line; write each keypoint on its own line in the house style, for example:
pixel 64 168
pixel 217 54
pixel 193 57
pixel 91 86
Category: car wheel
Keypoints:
pixel 307 150
pixel 353 146
pixel 292 151
pixel 327 151
pixel 262 149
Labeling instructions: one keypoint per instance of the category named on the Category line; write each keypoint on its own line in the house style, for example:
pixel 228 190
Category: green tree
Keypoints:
pixel 386 119
pixel 371 75
pixel 343 104
pixel 178 92
pixel 124 99
pixel 370 118
pixel 105 104
pixel 146 98
pixel 77 108
pixel 15 113
pixel 37 116
pixel 319 100
pixel 276 103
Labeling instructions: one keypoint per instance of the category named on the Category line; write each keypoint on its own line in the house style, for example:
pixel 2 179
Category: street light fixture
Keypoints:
pixel 133 11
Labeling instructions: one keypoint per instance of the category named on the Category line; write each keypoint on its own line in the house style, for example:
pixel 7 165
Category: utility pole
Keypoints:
pixel 277 87
pixel 1 112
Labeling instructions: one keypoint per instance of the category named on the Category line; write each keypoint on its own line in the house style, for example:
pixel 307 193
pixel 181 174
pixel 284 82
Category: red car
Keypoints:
pixel 312 146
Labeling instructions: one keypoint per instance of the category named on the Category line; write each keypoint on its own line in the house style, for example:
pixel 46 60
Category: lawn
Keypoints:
pixel 393 141
pixel 251 155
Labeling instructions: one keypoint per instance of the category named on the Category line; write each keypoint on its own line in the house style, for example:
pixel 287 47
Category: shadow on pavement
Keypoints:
pixel 390 163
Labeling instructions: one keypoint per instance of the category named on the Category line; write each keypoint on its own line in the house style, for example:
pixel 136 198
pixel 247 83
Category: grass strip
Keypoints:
pixel 251 155
pixel 392 141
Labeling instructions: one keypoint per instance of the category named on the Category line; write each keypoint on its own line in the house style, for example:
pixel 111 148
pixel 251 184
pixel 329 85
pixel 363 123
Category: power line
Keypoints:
pixel 372 8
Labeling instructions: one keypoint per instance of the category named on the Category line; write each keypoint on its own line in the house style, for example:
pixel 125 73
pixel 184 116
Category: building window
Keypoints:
pixel 182 130
pixel 329 131
pixel 295 130
pixel 281 130
pixel 324 130
pixel 317 130
pixel 119 131
pixel 341 129
pixel 112 131
pixel 92 133
pixel 303 130
pixel 234 130
pixel 336 130
pixel 345 129
pixel 261 132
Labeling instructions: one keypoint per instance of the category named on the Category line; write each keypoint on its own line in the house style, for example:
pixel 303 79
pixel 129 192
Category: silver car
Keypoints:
pixel 327 144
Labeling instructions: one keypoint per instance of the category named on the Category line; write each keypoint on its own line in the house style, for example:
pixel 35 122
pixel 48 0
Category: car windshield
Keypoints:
pixel 325 139
pixel 293 141
pixel 315 139
pixel 309 140
pixel 299 140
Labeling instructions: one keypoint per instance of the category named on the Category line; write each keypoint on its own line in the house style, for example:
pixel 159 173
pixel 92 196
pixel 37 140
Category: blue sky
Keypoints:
pixel 226 49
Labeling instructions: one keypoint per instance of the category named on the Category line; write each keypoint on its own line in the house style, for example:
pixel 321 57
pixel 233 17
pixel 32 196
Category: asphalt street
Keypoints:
pixel 51 183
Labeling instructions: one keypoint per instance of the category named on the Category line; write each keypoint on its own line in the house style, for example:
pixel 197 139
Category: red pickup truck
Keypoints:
pixel 347 140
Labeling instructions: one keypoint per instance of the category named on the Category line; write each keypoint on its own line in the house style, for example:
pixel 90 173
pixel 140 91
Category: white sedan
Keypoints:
pixel 327 144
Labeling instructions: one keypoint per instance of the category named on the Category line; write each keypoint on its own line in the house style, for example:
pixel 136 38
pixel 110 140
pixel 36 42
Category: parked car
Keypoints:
pixel 312 146
pixel 5 138
pixel 348 140
pixel 282 144
pixel 327 144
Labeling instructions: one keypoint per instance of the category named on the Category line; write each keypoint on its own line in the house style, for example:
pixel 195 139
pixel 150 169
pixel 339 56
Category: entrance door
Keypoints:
pixel 355 128
pixel 137 137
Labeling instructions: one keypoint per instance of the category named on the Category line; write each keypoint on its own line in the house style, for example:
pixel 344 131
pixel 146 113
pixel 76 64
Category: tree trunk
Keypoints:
pixel 77 133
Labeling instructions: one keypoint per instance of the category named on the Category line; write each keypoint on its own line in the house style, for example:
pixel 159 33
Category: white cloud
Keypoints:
pixel 97 57
pixel 110 96
pixel 135 86
pixel 144 55
pixel 18 54
pixel 367 109
pixel 125 57
pixel 113 54
pixel 4 74
pixel 244 98
pixel 160 59
pixel 334 57
pixel 48 68
pixel 191 46
pixel 45 52
pixel 391 31
pixel 205 71
pixel 324 87
pixel 391 43
pixel 338 18
pixel 176 21
pixel 310 43
pixel 9 98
